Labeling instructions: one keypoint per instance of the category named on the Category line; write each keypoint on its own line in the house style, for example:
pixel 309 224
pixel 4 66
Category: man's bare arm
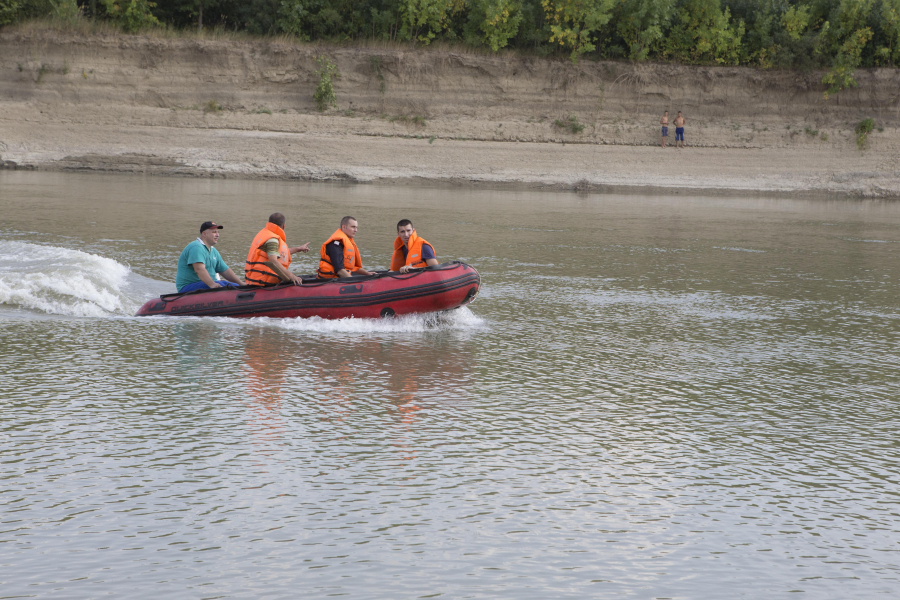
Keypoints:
pixel 203 274
pixel 230 276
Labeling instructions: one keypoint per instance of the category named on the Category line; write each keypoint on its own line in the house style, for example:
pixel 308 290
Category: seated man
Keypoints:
pixel 199 261
pixel 269 259
pixel 339 255
pixel 411 251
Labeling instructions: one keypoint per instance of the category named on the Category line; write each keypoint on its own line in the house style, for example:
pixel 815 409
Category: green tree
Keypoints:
pixel 9 11
pixel 497 21
pixel 889 53
pixel 846 36
pixel 642 24
pixel 706 34
pixel 131 15
pixel 423 20
pixel 575 23
pixel 796 20
pixel 292 18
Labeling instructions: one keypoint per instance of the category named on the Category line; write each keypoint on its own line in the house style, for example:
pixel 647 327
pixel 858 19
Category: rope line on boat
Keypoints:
pixel 317 282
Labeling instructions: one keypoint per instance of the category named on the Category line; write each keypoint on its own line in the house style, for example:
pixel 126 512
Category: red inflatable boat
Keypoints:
pixel 441 287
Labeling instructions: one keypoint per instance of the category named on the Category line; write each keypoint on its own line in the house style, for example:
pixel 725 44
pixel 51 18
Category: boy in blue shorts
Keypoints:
pixel 679 130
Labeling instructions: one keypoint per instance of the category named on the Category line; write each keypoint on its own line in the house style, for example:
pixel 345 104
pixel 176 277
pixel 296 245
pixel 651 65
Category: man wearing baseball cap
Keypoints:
pixel 199 261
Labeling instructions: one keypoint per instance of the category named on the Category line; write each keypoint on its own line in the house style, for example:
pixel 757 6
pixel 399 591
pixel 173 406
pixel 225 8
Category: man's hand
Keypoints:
pixel 303 248
pixel 284 274
pixel 405 268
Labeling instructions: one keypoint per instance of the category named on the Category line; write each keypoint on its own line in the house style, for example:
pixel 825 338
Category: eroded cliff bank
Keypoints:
pixel 240 108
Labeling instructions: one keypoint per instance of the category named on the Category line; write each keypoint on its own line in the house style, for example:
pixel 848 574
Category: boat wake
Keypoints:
pixel 60 281
pixel 459 318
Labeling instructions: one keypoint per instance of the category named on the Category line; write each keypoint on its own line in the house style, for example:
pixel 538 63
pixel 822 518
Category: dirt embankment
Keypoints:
pixel 236 108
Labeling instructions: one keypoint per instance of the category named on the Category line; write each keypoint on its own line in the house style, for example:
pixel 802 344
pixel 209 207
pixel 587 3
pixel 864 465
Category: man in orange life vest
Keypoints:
pixel 411 251
pixel 270 256
pixel 339 255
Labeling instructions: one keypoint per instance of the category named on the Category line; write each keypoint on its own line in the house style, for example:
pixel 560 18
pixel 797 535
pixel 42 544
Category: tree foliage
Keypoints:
pixel 131 15
pixel 846 37
pixel 575 23
pixel 497 20
pixel 9 11
pixel 704 34
pixel 642 25
pixel 888 51
pixel 423 20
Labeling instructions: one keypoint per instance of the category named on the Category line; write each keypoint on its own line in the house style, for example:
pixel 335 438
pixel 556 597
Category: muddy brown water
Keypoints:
pixel 653 396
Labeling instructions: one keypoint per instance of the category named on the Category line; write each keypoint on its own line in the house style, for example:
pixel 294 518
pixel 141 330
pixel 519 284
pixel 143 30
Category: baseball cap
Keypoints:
pixel 210 225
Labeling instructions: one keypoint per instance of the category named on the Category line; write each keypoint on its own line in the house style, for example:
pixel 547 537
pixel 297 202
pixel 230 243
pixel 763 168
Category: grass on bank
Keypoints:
pixel 569 124
pixel 414 120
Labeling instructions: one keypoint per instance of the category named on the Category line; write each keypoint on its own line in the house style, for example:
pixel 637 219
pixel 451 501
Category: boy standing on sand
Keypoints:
pixel 664 121
pixel 679 130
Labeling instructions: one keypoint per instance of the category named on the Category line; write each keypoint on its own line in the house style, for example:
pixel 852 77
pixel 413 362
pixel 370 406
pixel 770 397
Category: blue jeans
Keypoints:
pixel 679 134
pixel 191 287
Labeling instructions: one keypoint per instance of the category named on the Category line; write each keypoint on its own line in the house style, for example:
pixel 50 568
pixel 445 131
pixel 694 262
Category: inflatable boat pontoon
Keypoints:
pixel 441 287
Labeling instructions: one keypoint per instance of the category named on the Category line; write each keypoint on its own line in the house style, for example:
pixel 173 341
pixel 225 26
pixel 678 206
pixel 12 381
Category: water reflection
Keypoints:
pixel 267 358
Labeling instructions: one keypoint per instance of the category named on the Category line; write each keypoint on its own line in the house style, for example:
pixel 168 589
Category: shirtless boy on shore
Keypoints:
pixel 664 121
pixel 679 130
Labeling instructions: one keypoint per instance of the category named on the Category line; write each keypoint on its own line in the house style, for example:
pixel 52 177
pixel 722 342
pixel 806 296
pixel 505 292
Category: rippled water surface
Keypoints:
pixel 652 397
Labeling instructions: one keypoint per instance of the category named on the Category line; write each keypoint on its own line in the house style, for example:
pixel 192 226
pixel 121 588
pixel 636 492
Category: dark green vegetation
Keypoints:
pixel 569 124
pixel 324 94
pixel 839 35
pixel 862 130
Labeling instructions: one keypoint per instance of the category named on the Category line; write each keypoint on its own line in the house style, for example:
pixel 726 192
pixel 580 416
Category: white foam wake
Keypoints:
pixel 461 318
pixel 62 281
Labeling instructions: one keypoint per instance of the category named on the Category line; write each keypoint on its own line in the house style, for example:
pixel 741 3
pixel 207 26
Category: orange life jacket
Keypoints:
pixel 413 257
pixel 352 259
pixel 256 271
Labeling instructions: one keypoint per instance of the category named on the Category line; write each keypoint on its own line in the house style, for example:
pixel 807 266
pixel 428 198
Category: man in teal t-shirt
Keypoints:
pixel 200 261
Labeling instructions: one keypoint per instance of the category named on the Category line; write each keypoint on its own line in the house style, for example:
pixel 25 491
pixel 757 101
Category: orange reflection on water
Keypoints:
pixel 264 369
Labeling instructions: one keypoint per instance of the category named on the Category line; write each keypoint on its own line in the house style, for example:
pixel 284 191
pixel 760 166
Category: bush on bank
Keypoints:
pixel 840 35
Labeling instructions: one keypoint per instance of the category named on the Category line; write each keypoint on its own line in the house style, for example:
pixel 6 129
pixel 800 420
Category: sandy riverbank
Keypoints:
pixel 134 104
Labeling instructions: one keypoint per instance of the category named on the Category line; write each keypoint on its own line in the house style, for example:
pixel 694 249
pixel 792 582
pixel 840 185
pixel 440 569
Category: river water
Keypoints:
pixel 651 397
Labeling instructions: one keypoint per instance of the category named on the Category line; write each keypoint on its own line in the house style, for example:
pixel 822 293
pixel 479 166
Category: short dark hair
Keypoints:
pixel 277 219
pixel 404 223
pixel 346 220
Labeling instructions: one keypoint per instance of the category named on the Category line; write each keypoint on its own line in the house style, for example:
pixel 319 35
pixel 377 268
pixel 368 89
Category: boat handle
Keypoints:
pixel 246 296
